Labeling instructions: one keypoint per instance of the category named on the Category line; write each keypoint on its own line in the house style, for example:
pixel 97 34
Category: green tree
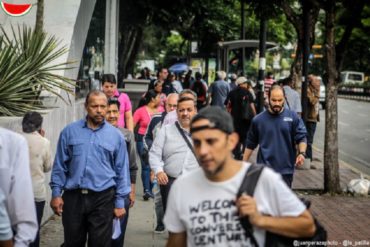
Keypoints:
pixel 350 13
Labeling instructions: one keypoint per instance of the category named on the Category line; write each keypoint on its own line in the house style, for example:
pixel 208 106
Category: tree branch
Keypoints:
pixel 291 15
pixel 341 47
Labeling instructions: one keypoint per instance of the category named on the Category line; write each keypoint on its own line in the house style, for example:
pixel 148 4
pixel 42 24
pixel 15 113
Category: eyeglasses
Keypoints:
pixel 172 106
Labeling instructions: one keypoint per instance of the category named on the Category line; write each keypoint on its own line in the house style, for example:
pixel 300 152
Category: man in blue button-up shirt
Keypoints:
pixel 91 168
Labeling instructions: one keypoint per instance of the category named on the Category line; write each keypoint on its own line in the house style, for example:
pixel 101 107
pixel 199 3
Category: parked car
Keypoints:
pixel 322 94
pixel 348 77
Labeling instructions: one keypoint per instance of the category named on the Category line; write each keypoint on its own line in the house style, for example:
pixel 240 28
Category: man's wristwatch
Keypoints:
pixel 302 153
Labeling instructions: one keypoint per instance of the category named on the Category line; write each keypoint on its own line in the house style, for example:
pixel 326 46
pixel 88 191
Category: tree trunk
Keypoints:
pixel 128 50
pixel 296 67
pixel 331 164
pixel 39 16
pixel 130 64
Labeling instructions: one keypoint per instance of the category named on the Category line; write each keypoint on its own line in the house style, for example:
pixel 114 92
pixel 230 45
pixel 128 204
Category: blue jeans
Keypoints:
pixel 311 129
pixel 119 242
pixel 145 168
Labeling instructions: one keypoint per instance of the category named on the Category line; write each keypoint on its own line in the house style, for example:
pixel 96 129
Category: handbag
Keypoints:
pixel 272 239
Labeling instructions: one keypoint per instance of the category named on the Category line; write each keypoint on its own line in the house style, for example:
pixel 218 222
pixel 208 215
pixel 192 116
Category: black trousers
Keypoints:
pixel 288 179
pixel 39 213
pixel 165 191
pixel 88 215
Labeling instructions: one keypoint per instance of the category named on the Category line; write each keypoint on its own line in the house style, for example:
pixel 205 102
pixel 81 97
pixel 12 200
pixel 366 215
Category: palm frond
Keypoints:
pixel 27 66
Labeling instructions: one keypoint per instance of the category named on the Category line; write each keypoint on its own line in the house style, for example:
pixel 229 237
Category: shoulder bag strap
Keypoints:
pixel 186 139
pixel 248 186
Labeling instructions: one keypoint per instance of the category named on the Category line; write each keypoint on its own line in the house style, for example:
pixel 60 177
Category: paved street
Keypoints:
pixel 345 217
pixel 353 132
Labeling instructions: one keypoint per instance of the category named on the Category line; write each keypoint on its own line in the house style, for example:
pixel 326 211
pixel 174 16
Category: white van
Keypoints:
pixel 352 77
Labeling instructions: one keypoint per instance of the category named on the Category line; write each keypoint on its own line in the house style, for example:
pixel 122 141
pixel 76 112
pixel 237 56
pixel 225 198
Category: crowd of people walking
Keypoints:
pixel 191 138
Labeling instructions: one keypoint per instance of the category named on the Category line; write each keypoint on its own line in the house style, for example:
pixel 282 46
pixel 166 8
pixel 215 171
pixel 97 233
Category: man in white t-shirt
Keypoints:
pixel 203 209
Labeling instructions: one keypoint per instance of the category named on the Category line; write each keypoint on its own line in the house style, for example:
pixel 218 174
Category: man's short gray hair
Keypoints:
pixel 188 91
pixel 221 75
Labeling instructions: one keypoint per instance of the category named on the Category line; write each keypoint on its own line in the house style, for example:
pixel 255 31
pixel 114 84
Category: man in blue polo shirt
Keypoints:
pixel 277 131
pixel 91 169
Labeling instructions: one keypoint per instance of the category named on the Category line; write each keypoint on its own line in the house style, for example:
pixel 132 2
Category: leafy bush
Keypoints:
pixel 27 63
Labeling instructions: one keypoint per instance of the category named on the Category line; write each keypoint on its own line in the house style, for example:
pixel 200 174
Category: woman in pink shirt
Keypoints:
pixel 109 86
pixel 158 86
pixel 142 118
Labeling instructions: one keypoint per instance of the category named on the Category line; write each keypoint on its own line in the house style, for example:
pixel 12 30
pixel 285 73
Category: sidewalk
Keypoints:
pixel 345 217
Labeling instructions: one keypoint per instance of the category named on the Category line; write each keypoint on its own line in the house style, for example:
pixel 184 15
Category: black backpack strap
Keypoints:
pixel 250 180
pixel 248 186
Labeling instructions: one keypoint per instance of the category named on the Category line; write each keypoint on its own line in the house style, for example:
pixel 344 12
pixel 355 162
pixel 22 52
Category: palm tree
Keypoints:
pixel 27 63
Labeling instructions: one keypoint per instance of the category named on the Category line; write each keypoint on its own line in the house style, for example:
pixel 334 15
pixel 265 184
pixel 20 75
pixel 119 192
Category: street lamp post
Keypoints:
pixel 306 54
pixel 262 63
pixel 242 36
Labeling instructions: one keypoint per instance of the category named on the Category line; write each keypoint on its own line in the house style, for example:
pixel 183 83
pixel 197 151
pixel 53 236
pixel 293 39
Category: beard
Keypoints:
pixel 97 119
pixel 219 168
pixel 276 109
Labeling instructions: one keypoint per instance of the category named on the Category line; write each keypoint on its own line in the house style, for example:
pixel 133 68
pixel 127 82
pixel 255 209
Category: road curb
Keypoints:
pixel 341 162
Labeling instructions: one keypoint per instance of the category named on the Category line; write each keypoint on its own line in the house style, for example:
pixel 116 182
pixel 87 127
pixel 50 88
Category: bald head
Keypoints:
pixel 94 93
pixel 171 102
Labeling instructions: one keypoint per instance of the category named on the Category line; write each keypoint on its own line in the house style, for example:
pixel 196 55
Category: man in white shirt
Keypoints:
pixel 170 155
pixel 15 182
pixel 171 117
pixel 203 209
pixel 6 234
pixel 40 162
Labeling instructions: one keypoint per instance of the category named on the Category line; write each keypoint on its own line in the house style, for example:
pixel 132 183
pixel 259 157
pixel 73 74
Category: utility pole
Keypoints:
pixel 242 36
pixel 306 53
pixel 262 64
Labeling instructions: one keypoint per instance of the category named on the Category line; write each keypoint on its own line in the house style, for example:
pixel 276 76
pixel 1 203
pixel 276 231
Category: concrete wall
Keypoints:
pixel 68 21
pixel 54 121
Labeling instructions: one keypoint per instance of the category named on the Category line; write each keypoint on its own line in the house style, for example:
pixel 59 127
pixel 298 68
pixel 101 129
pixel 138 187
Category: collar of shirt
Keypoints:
pixel 185 130
pixel 84 124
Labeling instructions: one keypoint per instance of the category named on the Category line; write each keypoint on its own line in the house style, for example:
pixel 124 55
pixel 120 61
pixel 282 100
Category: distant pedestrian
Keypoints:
pixel 238 101
pixel 203 207
pixel 277 131
pixel 142 117
pixel 218 90
pixel 171 155
pixel 162 76
pixel 175 83
pixel 158 87
pixel 90 178
pixel 269 80
pixel 112 118
pixel 109 86
pixel 293 100
pixel 313 95
pixel 233 84
pixel 16 184
pixel 40 162
pixel 199 86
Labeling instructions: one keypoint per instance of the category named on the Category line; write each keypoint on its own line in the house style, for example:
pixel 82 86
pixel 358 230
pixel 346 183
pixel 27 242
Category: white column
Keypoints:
pixel 111 37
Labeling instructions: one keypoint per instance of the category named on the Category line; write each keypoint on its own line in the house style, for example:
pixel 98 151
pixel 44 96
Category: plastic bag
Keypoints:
pixel 359 186
pixel 116 228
